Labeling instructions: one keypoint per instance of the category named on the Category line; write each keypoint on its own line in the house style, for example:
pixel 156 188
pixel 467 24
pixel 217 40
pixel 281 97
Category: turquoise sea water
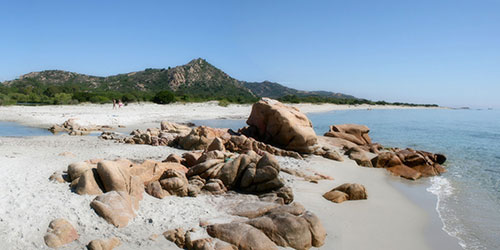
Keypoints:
pixel 469 193
pixel 14 129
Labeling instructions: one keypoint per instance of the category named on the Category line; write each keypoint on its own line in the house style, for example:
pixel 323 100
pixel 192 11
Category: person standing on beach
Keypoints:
pixel 114 104
pixel 120 103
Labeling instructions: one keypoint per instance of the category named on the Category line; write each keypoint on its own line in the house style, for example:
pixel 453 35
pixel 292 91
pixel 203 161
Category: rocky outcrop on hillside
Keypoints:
pixel 196 78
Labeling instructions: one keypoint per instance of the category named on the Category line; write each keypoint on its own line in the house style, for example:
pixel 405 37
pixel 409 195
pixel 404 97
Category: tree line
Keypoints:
pixel 74 94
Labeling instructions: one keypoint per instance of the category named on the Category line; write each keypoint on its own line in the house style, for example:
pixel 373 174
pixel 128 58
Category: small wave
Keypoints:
pixel 442 188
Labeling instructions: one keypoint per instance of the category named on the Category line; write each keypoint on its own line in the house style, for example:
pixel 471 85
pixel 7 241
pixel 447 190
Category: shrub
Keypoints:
pixel 99 99
pixel 223 103
pixel 129 98
pixel 164 97
pixel 5 100
pixel 62 98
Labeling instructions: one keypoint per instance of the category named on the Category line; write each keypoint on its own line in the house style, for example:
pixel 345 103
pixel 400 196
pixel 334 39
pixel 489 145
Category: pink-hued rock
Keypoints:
pixel 346 191
pixel 283 126
pixel 104 244
pixel 354 133
pixel 115 207
pixel 60 233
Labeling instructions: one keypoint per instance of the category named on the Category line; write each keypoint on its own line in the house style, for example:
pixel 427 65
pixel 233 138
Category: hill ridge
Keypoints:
pixel 197 77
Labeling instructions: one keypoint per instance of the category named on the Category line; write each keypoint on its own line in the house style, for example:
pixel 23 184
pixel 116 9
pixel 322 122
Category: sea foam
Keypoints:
pixel 442 188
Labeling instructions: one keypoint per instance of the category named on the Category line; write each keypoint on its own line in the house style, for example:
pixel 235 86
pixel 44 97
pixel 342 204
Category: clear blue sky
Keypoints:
pixel 445 52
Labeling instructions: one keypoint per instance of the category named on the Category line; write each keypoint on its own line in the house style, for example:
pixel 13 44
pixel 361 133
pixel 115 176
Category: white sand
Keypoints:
pixel 29 201
pixel 386 220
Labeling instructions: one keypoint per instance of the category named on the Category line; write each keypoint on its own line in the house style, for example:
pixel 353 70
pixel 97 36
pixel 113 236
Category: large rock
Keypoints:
pixel 104 244
pixel 154 189
pixel 175 182
pixel 175 158
pixel 200 137
pixel 288 230
pixel 346 191
pixel 405 172
pixel 60 233
pixel 284 225
pixel 355 191
pixel 283 126
pixel 354 133
pixel 89 183
pixel 191 158
pixel 333 155
pixel 386 160
pixel 335 142
pixel 114 176
pixel 171 127
pixel 214 186
pixel 217 144
pixel 150 171
pixel 410 164
pixel 247 172
pixel 253 209
pixel 76 169
pixel 243 144
pixel 213 154
pixel 360 156
pixel 336 196
pixel 242 235
pixel 115 207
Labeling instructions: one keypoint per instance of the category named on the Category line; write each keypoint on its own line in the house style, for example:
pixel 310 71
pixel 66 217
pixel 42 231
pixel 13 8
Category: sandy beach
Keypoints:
pixel 145 115
pixel 397 214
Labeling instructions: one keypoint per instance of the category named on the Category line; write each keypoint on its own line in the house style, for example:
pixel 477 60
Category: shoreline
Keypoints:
pixel 418 193
pixel 133 115
pixel 391 199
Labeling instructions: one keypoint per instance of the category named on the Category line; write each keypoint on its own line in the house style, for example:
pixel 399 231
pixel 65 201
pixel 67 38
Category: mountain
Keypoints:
pixel 198 79
pixel 276 90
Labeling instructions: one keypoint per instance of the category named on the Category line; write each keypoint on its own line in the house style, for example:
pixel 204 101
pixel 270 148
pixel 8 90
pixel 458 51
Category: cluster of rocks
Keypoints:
pixel 197 138
pixel 163 136
pixel 72 127
pixel 120 184
pixel 273 128
pixel 60 232
pixel 407 163
pixel 346 191
pixel 263 225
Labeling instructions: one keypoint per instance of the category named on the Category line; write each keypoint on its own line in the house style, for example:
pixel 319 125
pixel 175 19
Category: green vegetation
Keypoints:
pixel 164 97
pixel 224 103
pixel 347 101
